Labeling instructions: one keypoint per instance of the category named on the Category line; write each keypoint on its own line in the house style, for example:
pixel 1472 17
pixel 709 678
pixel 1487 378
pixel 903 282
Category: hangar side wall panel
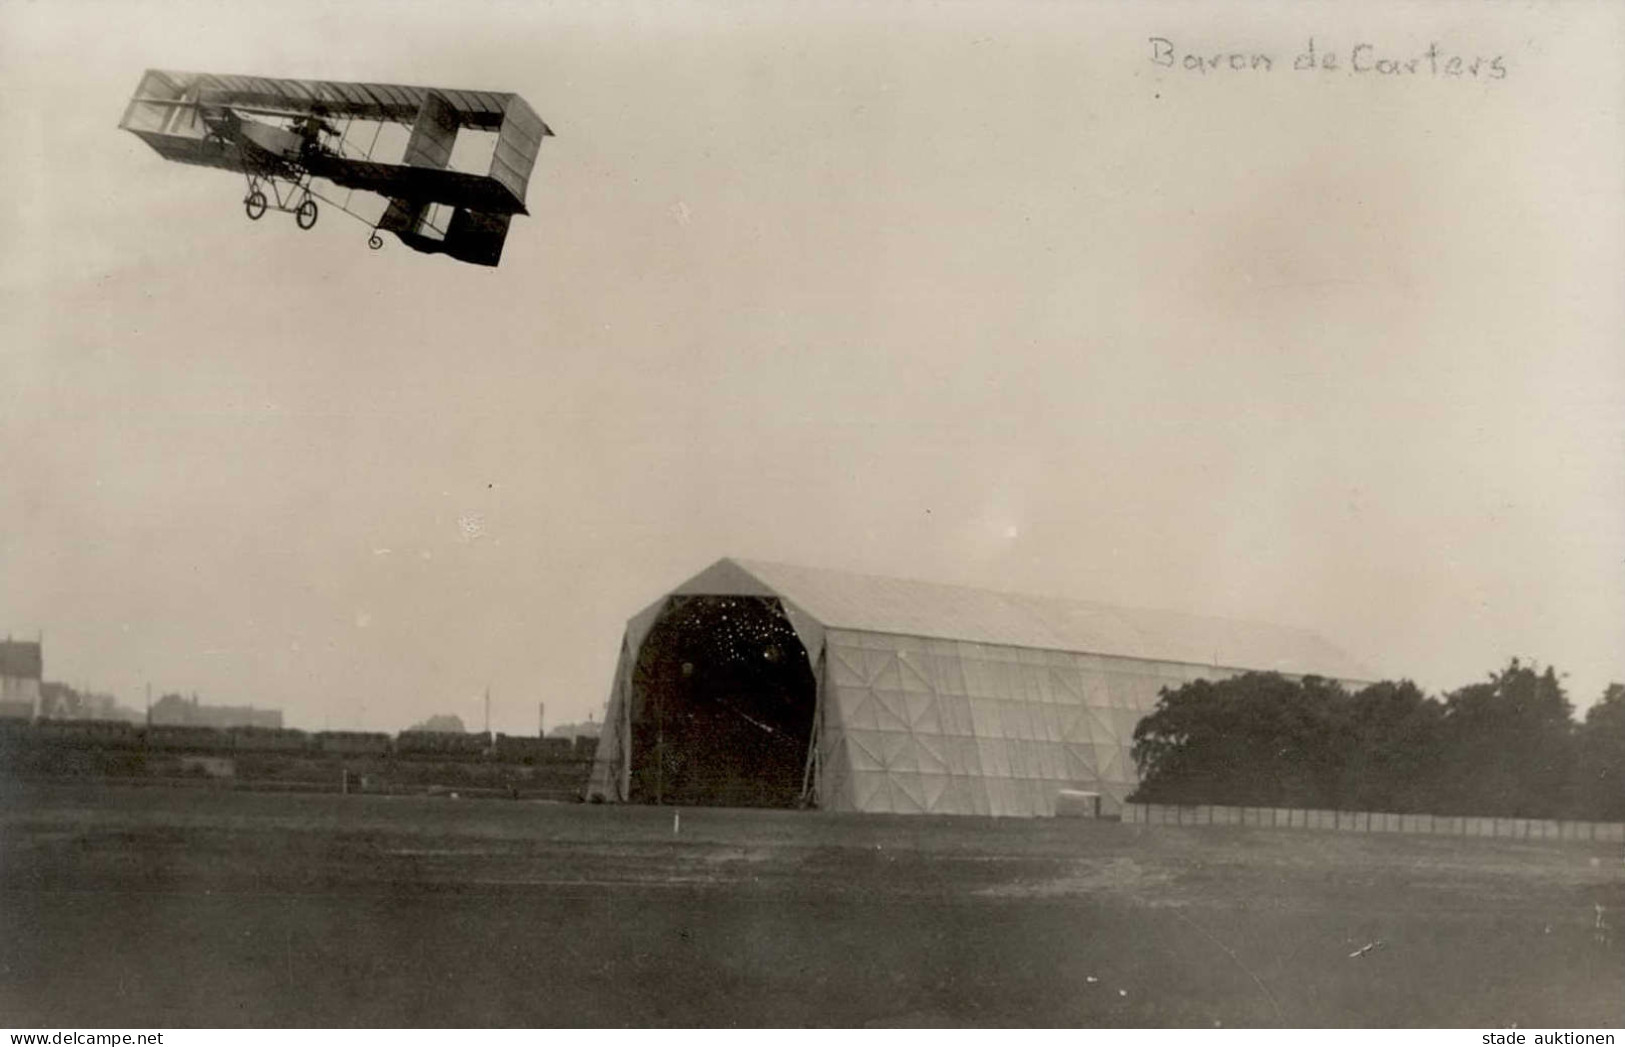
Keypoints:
pixel 606 782
pixel 925 726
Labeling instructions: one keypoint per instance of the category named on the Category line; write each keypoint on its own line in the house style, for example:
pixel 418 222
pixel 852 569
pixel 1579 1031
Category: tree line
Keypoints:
pixel 1505 747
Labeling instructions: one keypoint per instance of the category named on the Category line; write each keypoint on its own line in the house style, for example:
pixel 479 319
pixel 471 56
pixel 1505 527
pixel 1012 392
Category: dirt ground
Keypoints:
pixel 168 907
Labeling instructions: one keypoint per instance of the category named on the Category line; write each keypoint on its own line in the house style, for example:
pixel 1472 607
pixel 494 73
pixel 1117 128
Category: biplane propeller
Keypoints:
pixel 282 137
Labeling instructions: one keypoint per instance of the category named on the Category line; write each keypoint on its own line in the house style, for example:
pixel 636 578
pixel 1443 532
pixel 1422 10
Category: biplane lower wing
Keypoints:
pixel 405 181
pixel 453 188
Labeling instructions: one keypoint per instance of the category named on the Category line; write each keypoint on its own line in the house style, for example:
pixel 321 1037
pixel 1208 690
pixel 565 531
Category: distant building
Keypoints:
pixel 21 667
pixel 575 730
pixel 173 710
pixel 58 701
pixel 444 723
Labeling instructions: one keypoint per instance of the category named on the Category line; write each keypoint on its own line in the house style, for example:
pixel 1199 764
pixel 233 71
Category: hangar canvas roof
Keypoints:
pixel 842 600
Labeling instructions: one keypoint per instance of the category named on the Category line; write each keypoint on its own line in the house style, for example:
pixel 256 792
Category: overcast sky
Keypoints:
pixel 970 293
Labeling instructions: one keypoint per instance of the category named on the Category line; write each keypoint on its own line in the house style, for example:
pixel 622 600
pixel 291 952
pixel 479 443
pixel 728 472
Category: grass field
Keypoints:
pixel 169 907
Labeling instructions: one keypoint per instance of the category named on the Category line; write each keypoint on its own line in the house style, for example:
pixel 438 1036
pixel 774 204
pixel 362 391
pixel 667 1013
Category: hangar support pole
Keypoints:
pixel 623 758
pixel 813 769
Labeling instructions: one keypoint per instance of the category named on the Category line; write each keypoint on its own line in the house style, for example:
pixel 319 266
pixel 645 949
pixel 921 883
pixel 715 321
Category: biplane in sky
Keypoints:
pixel 300 141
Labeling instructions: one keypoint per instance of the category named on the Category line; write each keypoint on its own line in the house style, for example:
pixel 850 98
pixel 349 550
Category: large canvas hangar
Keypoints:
pixel 761 684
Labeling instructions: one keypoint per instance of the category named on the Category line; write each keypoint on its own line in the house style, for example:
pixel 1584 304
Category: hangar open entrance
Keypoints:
pixel 723 699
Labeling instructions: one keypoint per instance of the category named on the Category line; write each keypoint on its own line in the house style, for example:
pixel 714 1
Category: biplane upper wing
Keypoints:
pixel 170 112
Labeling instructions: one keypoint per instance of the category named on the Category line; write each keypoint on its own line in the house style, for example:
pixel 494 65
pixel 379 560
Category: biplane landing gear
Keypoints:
pixel 287 188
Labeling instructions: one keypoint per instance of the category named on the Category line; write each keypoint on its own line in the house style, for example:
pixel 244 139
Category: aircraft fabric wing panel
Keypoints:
pixel 518 142
pixel 433 134
pixel 368 101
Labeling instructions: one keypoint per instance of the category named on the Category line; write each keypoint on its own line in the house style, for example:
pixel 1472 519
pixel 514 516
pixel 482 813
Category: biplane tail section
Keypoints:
pixel 468 236
pixel 476 237
pixel 266 129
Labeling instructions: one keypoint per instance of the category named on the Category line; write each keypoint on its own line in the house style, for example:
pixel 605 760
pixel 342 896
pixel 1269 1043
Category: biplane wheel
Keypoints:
pixel 375 241
pixel 254 205
pixel 306 214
